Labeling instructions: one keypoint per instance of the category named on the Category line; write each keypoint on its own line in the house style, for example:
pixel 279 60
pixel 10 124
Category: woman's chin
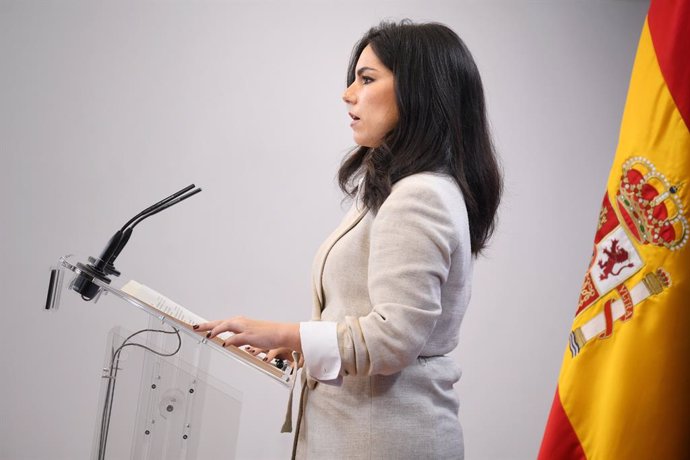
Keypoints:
pixel 367 143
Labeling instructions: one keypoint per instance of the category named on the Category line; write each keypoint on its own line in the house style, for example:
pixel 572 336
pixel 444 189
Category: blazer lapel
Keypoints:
pixel 349 222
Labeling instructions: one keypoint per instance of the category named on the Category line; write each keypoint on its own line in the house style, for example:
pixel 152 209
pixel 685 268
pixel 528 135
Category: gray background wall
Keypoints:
pixel 107 106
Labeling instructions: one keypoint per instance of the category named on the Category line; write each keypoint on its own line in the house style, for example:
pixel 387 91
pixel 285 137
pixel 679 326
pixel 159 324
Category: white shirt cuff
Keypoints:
pixel 320 350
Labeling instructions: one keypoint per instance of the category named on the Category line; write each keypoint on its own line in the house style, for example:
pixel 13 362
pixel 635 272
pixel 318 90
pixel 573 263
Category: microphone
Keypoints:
pixel 103 266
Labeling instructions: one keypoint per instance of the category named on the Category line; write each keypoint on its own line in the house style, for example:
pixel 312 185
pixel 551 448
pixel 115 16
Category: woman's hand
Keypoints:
pixel 255 333
pixel 279 353
pixel 283 353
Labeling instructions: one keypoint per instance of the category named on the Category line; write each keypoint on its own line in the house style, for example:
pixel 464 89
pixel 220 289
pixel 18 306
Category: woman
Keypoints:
pixel 392 283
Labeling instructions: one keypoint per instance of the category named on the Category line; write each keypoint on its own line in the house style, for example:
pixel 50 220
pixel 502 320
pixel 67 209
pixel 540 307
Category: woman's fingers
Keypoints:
pixel 238 340
pixel 213 328
pixel 223 326
pixel 253 350
pixel 262 335
pixel 271 354
pixel 280 353
pixel 207 326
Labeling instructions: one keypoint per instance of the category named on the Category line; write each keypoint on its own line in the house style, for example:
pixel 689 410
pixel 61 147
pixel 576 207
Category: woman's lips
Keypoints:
pixel 355 119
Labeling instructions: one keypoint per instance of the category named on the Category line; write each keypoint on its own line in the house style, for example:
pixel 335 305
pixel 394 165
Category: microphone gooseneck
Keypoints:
pixel 104 266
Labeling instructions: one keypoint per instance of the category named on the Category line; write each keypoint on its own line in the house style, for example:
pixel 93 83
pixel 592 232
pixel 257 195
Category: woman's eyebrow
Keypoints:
pixel 361 70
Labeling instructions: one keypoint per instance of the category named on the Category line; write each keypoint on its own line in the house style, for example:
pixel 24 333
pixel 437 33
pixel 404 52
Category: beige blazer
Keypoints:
pixel 398 284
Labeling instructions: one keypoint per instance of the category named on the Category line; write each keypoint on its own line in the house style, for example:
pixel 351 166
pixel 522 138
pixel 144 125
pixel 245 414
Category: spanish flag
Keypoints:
pixel 624 387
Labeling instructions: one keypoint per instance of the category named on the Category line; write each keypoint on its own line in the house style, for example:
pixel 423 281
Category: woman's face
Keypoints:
pixel 371 100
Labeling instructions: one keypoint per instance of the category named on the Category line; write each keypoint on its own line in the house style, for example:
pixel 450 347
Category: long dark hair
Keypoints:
pixel 442 122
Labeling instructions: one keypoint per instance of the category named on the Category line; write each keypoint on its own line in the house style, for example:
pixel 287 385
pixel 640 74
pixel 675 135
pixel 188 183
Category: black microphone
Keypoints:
pixel 104 266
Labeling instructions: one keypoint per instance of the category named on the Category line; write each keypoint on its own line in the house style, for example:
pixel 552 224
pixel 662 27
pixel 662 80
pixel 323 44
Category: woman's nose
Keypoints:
pixel 349 95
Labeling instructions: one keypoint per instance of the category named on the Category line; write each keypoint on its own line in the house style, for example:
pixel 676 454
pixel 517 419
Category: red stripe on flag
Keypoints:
pixel 608 317
pixel 560 441
pixel 669 26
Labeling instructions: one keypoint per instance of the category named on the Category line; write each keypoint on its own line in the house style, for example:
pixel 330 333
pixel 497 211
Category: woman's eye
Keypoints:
pixel 367 80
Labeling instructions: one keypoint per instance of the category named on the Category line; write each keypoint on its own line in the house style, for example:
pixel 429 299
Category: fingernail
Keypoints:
pixel 208 336
pixel 196 326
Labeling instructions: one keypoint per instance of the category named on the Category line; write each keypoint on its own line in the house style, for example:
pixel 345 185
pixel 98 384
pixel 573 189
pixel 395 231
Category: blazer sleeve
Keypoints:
pixel 412 239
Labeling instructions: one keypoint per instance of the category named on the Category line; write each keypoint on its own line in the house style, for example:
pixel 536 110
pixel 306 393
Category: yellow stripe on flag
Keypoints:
pixel 627 395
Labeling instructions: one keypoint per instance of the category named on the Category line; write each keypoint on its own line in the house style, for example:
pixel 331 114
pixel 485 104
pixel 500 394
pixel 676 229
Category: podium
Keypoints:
pixel 156 390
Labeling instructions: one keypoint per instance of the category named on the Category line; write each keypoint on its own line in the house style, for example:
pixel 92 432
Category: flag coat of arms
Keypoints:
pixel 624 387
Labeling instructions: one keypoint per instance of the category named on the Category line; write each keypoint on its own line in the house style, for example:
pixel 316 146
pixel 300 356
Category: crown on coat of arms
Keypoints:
pixel 650 205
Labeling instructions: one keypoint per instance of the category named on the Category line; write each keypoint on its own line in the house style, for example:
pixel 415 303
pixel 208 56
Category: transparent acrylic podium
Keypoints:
pixel 156 392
